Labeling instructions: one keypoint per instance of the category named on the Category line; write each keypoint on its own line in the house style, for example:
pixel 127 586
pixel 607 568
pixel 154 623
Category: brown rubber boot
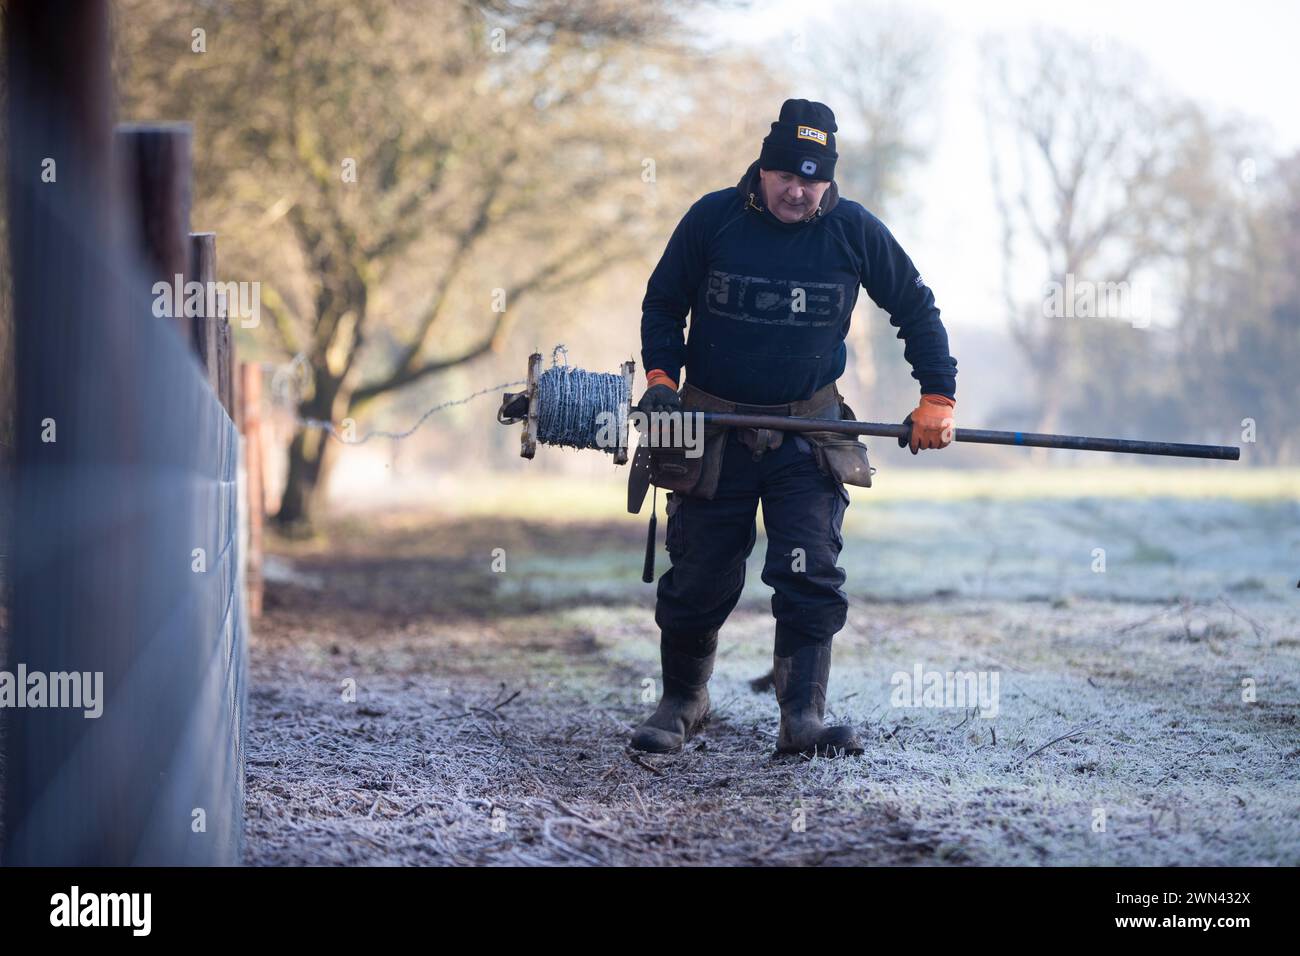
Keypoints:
pixel 687 665
pixel 800 681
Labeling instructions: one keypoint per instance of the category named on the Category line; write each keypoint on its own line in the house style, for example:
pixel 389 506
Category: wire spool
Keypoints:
pixel 570 407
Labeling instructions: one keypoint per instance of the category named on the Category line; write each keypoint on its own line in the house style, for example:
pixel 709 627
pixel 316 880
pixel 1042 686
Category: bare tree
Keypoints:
pixel 1083 152
pixel 1239 313
pixel 881 64
pixel 400 175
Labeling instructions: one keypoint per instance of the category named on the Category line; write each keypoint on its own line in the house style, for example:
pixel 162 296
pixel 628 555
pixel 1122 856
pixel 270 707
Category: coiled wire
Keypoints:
pixel 571 402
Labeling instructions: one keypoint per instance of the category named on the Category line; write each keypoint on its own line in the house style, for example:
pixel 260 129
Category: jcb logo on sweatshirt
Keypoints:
pixel 816 135
pixel 765 301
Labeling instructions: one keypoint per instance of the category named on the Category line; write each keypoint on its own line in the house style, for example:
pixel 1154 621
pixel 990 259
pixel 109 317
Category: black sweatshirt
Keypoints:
pixel 770 302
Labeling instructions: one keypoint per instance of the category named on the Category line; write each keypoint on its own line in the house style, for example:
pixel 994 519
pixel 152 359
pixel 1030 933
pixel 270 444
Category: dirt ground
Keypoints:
pixel 1150 720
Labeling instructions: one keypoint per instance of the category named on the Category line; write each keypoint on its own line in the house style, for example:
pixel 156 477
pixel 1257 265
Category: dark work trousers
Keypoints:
pixel 709 540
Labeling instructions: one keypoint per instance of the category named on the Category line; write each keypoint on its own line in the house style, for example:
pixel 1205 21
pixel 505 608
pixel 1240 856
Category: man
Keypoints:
pixel 769 271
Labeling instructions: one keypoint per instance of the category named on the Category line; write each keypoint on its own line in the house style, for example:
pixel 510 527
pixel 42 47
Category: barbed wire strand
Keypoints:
pixel 570 400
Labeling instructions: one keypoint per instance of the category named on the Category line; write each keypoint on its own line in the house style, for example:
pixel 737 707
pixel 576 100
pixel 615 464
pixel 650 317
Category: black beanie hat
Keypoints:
pixel 802 141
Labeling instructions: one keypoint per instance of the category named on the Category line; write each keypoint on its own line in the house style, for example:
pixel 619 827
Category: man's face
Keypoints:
pixel 790 197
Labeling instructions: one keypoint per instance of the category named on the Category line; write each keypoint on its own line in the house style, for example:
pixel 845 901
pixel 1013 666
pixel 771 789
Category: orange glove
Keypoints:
pixel 932 423
pixel 657 376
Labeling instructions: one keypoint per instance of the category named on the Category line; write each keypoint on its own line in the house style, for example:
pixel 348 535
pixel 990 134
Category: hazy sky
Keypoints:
pixel 1238 56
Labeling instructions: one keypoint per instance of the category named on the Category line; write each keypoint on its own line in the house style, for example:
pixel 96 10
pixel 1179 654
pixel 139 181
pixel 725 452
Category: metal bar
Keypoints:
pixel 980 436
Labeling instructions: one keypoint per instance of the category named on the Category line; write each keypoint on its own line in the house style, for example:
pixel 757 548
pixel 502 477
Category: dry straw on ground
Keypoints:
pixel 490 731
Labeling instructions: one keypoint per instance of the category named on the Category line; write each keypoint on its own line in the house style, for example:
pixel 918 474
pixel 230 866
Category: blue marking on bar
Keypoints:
pixel 1019 439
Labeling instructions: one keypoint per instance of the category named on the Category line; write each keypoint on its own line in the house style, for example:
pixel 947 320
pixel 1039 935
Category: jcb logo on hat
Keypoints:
pixel 816 135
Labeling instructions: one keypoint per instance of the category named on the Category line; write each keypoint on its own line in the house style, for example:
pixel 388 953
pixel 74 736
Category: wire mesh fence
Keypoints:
pixel 124 681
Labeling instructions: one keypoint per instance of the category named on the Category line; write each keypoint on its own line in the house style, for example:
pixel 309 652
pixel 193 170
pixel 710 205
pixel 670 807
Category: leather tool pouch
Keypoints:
pixel 760 440
pixel 843 457
pixel 671 468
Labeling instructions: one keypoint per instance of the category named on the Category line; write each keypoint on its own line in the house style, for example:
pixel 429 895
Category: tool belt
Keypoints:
pixel 843 457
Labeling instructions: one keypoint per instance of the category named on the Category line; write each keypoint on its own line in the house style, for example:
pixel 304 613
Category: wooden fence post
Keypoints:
pixel 251 415
pixel 227 369
pixel 155 163
pixel 203 269
pixel 213 338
